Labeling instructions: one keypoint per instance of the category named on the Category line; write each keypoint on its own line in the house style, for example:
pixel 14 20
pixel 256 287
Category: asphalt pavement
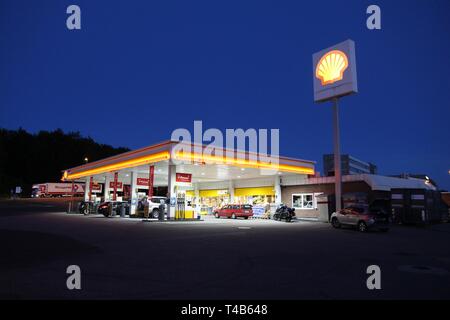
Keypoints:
pixel 212 259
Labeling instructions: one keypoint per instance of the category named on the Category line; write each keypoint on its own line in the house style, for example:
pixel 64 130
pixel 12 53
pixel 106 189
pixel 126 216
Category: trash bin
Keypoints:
pixel 118 208
pixel 146 211
pixel 162 209
pixel 122 210
pixel 111 208
pixel 93 206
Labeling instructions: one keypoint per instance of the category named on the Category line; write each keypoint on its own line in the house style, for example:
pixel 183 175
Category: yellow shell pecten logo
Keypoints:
pixel 331 67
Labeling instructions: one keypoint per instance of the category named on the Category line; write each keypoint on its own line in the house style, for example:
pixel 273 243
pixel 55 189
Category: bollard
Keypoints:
pixel 162 209
pixel 122 210
pixel 146 211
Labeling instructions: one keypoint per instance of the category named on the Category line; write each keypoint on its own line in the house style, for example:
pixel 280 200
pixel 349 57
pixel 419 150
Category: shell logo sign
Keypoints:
pixel 331 67
pixel 334 72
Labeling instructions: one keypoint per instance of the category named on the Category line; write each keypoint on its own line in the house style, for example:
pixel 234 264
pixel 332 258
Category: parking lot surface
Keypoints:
pixel 212 259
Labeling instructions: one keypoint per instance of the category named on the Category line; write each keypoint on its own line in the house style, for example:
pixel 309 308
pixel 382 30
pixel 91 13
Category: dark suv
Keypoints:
pixel 362 217
pixel 112 208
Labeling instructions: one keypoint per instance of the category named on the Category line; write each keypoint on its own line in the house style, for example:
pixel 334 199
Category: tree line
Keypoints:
pixel 27 158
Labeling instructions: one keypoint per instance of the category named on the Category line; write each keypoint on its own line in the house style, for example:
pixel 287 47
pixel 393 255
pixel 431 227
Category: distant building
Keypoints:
pixel 410 200
pixel 349 165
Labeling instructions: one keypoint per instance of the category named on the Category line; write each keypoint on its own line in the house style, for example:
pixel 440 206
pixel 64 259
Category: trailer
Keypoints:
pixel 417 206
pixel 57 189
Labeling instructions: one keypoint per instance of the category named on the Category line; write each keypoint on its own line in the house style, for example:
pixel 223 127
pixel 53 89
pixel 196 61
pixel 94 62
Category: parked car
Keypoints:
pixel 234 211
pixel 104 208
pixel 153 205
pixel 362 217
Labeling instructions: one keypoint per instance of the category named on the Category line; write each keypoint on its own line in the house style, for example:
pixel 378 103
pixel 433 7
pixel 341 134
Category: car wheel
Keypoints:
pixel 335 223
pixel 233 216
pixel 155 213
pixel 216 215
pixel 362 227
pixel 245 218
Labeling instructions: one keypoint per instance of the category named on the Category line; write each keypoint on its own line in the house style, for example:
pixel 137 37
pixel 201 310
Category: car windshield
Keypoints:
pixel 247 206
pixel 158 200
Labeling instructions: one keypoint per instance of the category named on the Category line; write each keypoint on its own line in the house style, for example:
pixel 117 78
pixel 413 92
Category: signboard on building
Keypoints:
pixel 96 187
pixel 183 177
pixel 119 185
pixel 142 182
pixel 334 71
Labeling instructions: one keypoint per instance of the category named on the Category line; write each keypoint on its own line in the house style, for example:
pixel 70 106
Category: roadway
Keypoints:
pixel 212 259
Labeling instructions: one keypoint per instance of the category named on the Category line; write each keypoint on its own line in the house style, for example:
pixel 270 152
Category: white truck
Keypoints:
pixel 56 189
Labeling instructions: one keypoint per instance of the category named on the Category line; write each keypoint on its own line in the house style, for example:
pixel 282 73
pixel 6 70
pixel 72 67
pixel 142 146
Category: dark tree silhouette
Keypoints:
pixel 35 158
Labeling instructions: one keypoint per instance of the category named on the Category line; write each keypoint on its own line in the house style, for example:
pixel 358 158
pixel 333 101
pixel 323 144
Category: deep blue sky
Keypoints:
pixel 139 69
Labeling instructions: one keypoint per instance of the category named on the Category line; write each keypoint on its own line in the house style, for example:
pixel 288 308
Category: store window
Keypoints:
pixel 303 201
pixel 255 199
pixel 255 196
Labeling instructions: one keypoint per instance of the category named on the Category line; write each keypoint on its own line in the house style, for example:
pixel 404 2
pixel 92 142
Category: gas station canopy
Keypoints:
pixel 202 167
pixel 186 167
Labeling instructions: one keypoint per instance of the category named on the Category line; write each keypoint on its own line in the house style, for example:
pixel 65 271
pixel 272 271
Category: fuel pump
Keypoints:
pixel 181 204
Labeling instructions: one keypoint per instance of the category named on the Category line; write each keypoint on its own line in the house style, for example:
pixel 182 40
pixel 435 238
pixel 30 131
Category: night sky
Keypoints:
pixel 139 69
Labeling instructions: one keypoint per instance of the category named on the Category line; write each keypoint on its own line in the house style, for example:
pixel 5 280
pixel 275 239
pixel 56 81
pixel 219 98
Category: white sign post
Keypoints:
pixel 334 76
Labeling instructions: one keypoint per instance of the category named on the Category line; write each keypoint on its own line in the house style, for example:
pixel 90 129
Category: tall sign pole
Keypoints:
pixel 337 155
pixel 334 77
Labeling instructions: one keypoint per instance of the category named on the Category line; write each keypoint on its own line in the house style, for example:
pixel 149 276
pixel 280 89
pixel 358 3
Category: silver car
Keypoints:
pixel 362 217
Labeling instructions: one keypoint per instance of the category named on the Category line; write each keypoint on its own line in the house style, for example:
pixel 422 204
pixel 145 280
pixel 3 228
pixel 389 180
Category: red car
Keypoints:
pixel 234 211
